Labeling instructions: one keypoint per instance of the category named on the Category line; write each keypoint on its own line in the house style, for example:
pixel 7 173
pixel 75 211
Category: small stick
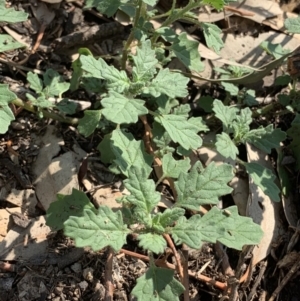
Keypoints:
pixel 163 263
pixel 176 255
pixel 241 12
pixel 109 292
pixel 288 276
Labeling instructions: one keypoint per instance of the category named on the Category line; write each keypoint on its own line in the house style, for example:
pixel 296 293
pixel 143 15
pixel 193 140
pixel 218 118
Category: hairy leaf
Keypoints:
pixel 225 226
pixel 224 113
pixel 144 61
pixel 158 284
pixel 169 83
pixel 152 242
pixel 89 122
pixel 267 140
pixel 142 190
pixel 198 188
pixel 172 168
pixel 226 147
pixel 97 230
pixel 212 35
pixel 180 130
pixel 187 52
pixel 120 109
pixel 66 206
pixel 10 15
pixel 129 152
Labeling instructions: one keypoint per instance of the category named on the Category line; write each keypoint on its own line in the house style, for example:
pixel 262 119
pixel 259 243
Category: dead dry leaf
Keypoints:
pixel 4 221
pixel 262 209
pixel 26 199
pixel 23 244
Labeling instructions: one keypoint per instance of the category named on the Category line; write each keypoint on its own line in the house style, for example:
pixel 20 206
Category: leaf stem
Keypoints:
pixel 141 6
pixel 29 107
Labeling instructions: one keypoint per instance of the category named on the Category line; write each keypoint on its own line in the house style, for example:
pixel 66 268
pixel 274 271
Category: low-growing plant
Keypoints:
pixel 142 90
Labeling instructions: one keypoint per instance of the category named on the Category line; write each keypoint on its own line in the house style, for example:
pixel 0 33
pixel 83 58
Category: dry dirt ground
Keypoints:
pixel 39 264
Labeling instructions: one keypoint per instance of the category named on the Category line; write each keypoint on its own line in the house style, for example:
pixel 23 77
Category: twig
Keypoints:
pixel 157 162
pixel 253 291
pixel 176 255
pixel 185 281
pixel 109 292
pixel 163 263
pixel 227 270
pixel 288 276
pixel 239 11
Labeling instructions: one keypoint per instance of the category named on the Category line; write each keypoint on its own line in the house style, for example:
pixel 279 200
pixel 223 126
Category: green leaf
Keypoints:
pixel 266 140
pixel 35 83
pixel 142 190
pixel 120 109
pixel 231 88
pixel 169 83
pixel 77 70
pixel 66 206
pixel 7 43
pixel 292 25
pixel 129 152
pixel 225 226
pixel 157 284
pixel 168 217
pixel 172 168
pixel 6 116
pixel 198 123
pixel 10 15
pixel 276 50
pixel 40 102
pixel 182 110
pixel 92 66
pixel 224 113
pixel 97 230
pixel 145 62
pixel 180 130
pixel 116 80
pixel 250 98
pixel 226 147
pixel 161 138
pixel 66 106
pixel 187 52
pixel 264 179
pixel 199 188
pixel 206 103
pixel 106 154
pixel 212 34
pixel 188 231
pixel 217 4
pixel 55 84
pixel 89 122
pixel 152 242
pixel 282 80
pixel 106 7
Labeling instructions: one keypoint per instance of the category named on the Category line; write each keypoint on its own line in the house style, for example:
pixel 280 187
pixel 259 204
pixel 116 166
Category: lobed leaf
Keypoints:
pixel 66 206
pixel 157 284
pixel 97 230
pixel 142 190
pixel 172 168
pixel 120 109
pixel 129 152
pixel 181 130
pixel 226 147
pixel 152 242
pixel 89 122
pixel 197 188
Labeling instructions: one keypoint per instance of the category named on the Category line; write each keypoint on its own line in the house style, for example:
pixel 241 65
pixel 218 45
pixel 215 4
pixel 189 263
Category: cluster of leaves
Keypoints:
pixel 151 90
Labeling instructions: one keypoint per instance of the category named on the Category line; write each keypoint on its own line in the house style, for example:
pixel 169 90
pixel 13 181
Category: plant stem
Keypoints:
pixel 29 107
pixel 140 10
